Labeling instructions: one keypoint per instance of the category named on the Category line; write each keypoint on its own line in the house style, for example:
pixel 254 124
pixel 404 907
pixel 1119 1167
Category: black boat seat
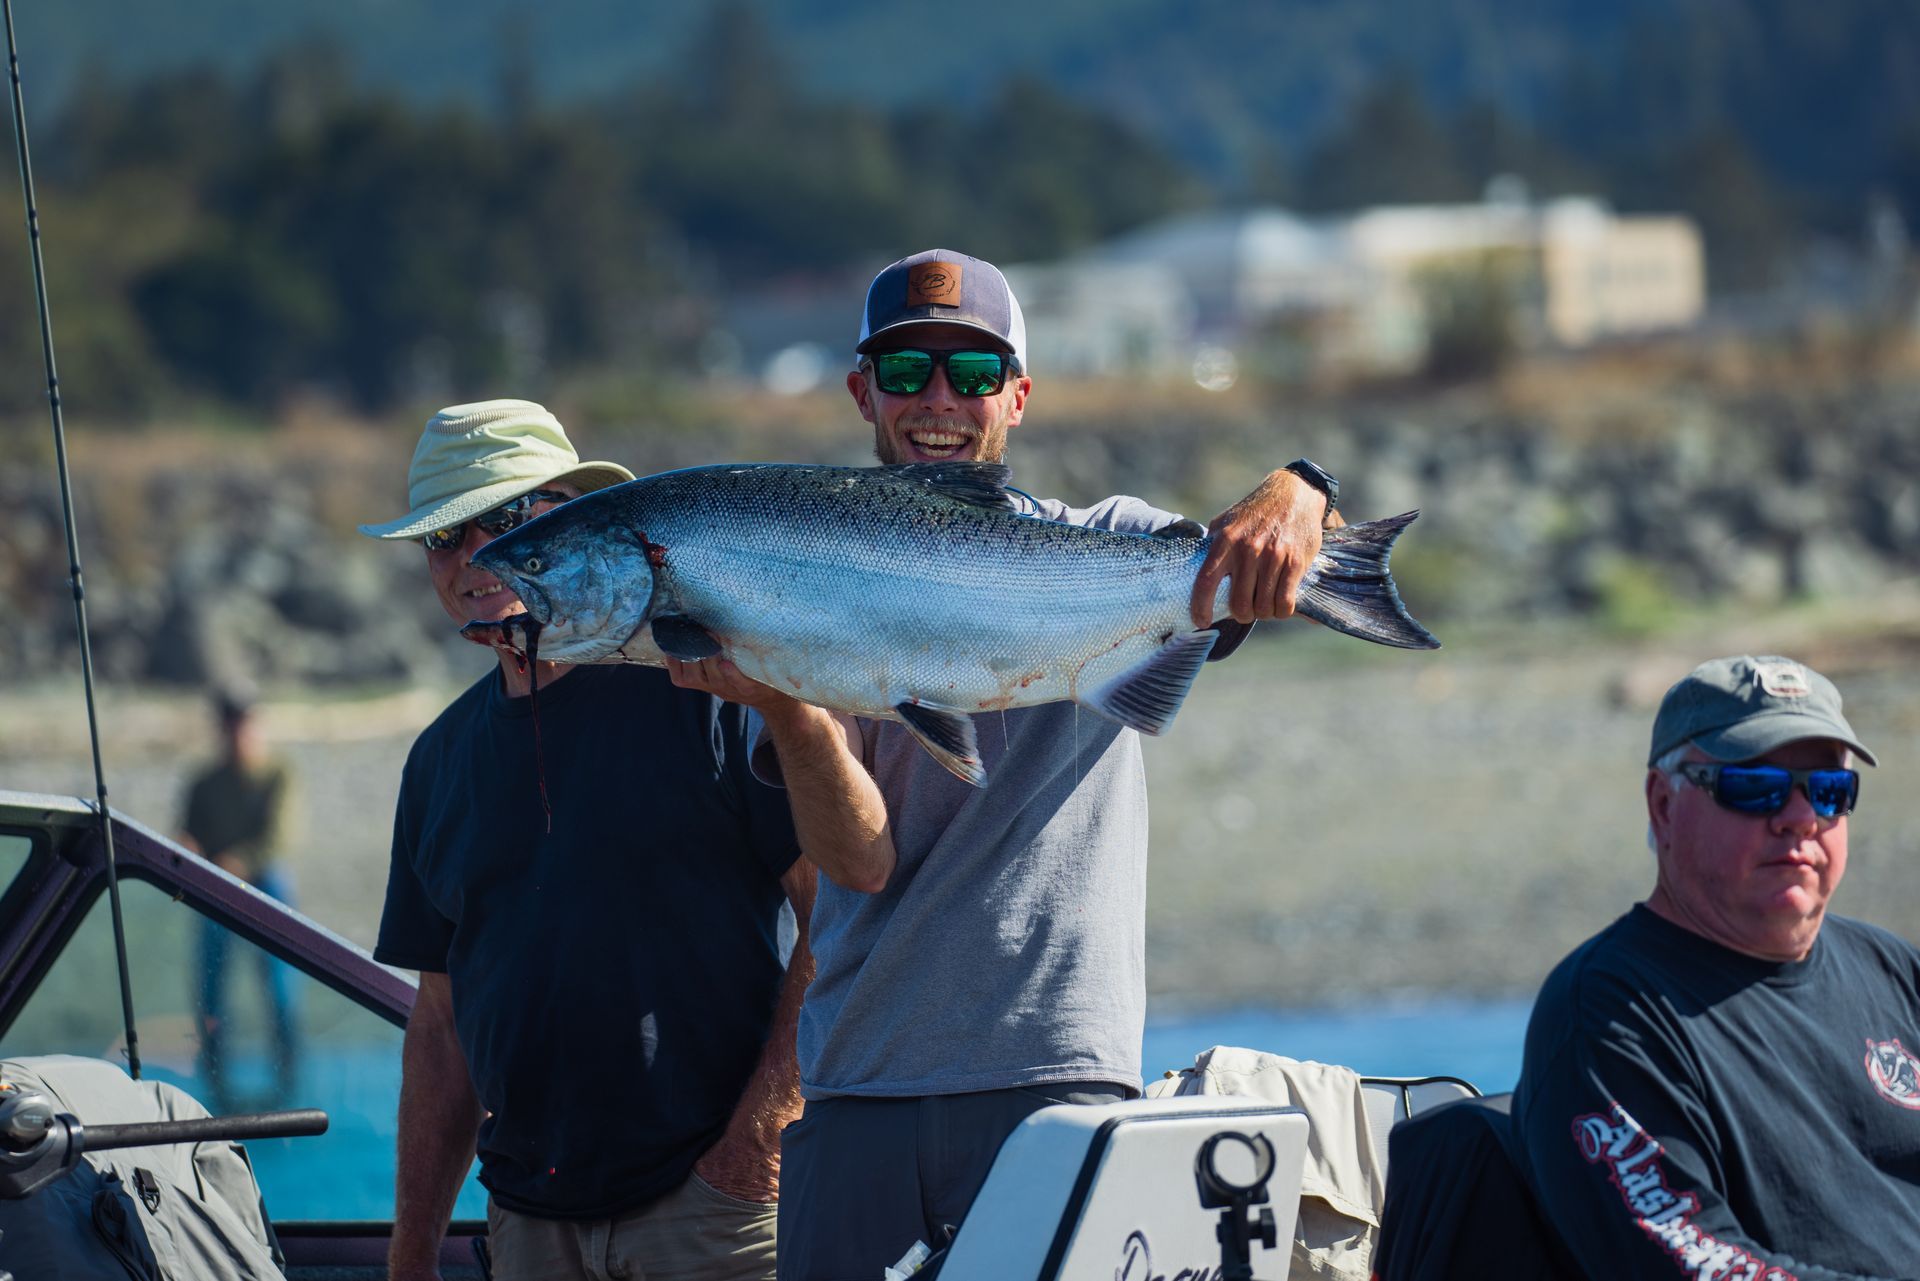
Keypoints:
pixel 1390 1100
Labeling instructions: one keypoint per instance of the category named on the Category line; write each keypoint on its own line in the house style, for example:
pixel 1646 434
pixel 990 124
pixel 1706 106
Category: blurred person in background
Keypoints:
pixel 236 816
pixel 590 882
pixel 1720 1083
pixel 983 954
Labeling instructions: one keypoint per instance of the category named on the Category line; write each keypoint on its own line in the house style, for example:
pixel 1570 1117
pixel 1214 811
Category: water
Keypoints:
pixel 1479 1042
pixel 349 1173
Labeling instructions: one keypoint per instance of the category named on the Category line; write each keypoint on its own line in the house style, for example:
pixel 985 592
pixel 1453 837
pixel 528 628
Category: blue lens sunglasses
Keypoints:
pixel 1765 789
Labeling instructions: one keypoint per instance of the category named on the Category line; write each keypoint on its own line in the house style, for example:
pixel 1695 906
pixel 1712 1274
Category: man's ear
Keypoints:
pixel 1021 387
pixel 1660 796
pixel 861 393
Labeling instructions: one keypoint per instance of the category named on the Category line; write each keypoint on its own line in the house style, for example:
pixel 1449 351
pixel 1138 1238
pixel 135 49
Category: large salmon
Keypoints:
pixel 914 593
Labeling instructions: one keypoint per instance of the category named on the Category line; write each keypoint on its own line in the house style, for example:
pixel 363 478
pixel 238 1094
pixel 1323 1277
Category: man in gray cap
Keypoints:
pixel 590 888
pixel 986 955
pixel 1718 1085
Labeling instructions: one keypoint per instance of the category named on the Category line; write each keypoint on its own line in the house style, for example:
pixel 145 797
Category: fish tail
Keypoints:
pixel 1349 589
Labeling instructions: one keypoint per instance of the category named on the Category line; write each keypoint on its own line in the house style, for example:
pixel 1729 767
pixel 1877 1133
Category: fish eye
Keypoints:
pixel 533 564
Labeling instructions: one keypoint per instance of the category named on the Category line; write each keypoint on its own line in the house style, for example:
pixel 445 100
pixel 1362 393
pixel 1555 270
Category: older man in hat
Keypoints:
pixel 590 888
pixel 1722 1083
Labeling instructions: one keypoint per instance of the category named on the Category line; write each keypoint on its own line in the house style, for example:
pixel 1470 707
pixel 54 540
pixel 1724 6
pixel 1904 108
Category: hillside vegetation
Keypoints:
pixel 377 217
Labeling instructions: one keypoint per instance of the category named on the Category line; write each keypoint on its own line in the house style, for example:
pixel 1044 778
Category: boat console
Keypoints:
pixel 1203 1186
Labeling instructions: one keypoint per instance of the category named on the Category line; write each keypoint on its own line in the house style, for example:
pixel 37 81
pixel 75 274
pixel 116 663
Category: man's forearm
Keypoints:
pixel 839 815
pixel 746 1160
pixel 439 1125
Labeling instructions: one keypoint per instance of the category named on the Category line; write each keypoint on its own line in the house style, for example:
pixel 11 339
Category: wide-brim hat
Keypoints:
pixel 472 458
pixel 1742 707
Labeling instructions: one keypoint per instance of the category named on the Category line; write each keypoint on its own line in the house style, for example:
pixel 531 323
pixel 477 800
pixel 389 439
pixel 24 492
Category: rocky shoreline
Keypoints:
pixel 211 557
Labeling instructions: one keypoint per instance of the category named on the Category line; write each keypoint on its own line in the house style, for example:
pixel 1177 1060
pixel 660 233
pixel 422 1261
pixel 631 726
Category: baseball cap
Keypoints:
pixel 472 458
pixel 944 286
pixel 1735 709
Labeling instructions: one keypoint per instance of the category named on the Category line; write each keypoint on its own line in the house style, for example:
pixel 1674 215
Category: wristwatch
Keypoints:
pixel 1318 477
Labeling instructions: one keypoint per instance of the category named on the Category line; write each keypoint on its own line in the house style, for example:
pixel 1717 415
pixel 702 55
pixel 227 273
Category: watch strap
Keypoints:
pixel 1317 476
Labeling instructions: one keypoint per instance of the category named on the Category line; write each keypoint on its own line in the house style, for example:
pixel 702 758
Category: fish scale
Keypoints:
pixel 915 593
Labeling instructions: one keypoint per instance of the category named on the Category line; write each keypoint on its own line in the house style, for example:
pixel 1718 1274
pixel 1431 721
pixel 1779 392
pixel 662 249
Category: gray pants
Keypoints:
pixel 862 1179
pixel 694 1233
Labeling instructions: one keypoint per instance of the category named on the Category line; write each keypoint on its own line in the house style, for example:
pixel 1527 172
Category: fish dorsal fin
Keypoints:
pixel 680 637
pixel 948 735
pixel 1147 697
pixel 982 484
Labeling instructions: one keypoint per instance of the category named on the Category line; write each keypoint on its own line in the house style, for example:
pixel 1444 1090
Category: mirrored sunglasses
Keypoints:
pixel 970 373
pixel 1765 789
pixel 493 523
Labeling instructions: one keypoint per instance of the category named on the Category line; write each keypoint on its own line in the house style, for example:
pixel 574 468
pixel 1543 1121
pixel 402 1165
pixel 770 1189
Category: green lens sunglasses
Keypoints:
pixel 969 373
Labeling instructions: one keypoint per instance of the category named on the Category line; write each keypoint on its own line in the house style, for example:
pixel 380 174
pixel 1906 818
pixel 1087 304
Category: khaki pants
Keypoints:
pixel 694 1233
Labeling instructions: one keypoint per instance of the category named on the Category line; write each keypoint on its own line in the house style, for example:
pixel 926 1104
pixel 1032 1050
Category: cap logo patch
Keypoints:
pixel 933 284
pixel 1783 680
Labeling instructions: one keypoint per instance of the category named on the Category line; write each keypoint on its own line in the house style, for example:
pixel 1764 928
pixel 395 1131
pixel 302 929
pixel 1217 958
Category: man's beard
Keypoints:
pixel 990 445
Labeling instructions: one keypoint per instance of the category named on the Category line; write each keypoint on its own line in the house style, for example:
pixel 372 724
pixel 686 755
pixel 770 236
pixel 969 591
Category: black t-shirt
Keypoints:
pixel 614 980
pixel 1689 1111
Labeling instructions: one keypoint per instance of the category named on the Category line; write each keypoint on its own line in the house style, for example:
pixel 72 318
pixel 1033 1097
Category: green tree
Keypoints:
pixel 1470 308
pixel 1391 149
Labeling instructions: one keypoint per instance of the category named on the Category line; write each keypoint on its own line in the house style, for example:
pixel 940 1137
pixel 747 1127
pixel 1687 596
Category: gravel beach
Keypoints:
pixel 1331 822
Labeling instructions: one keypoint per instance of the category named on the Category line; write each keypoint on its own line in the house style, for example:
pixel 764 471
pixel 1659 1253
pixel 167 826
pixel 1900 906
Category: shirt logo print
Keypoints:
pixel 1631 1158
pixel 1895 1073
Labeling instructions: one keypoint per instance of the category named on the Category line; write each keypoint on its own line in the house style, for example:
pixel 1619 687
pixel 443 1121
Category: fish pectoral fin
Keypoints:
pixel 680 637
pixel 1232 632
pixel 948 735
pixel 1182 528
pixel 1147 697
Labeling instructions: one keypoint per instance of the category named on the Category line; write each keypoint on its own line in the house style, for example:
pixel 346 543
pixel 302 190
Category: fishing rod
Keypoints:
pixel 73 539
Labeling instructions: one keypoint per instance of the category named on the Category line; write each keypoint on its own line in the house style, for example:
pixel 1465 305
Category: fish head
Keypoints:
pixel 584 578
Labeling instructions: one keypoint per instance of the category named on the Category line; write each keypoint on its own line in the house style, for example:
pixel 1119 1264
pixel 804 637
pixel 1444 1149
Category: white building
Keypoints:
pixel 1097 319
pixel 1605 277
pixel 1356 293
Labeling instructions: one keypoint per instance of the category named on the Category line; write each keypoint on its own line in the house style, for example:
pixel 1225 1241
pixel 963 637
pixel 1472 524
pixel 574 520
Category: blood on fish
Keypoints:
pixel 529 663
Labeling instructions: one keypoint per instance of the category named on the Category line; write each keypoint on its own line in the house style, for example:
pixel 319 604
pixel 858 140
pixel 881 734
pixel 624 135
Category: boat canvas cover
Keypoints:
pixel 1343 1187
pixel 173 1212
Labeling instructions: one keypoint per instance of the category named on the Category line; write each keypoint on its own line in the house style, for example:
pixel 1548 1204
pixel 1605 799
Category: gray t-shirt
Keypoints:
pixel 1009 947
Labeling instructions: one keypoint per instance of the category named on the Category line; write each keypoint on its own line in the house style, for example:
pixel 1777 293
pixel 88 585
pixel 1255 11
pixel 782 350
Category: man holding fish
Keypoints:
pixel 980 949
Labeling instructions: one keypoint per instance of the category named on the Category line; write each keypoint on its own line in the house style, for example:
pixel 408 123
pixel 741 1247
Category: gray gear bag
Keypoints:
pixel 173 1212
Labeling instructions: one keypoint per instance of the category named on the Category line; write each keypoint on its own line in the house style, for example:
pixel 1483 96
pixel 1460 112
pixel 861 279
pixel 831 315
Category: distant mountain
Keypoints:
pixel 1821 93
